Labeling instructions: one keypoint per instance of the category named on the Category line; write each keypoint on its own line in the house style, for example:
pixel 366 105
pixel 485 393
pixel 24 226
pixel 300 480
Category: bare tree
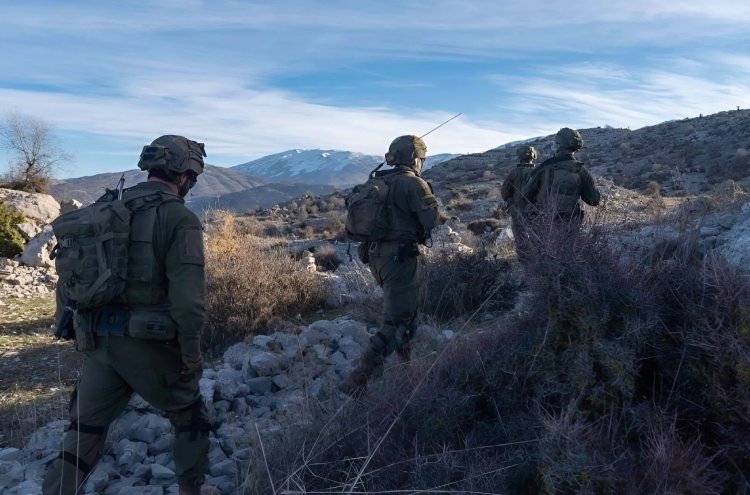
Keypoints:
pixel 34 152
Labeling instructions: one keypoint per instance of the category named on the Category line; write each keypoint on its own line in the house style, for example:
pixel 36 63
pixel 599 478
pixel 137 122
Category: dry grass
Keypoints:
pixel 37 372
pixel 250 282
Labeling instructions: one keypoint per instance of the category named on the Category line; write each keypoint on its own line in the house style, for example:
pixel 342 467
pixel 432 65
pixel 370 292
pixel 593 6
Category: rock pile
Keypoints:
pixel 19 281
pixel 260 389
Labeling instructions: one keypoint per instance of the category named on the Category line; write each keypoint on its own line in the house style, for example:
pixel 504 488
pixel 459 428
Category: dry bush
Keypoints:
pixel 250 281
pixel 483 226
pixel 460 204
pixel 621 375
pixel 455 285
pixel 327 257
pixel 653 190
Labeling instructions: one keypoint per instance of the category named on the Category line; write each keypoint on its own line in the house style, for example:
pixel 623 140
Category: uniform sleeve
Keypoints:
pixel 186 278
pixel 420 196
pixel 423 203
pixel 589 193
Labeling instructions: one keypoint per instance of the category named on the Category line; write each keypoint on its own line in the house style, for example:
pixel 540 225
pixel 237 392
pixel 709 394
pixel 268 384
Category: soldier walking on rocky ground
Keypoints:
pixel 517 204
pixel 555 186
pixel 409 214
pixel 147 338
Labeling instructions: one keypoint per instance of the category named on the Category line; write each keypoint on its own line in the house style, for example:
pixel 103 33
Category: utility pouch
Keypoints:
pixel 363 252
pixel 64 326
pixel 406 251
pixel 83 325
pixel 111 320
pixel 151 324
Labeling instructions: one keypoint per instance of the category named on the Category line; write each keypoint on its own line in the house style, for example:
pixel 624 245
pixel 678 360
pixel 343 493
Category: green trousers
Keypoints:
pixel 111 373
pixel 399 278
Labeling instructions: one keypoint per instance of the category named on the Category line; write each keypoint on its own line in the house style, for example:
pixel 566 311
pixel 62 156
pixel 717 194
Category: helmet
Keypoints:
pixel 404 149
pixel 174 155
pixel 526 154
pixel 568 139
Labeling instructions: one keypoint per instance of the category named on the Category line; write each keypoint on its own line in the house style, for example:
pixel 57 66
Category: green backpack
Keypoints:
pixel 365 205
pixel 91 255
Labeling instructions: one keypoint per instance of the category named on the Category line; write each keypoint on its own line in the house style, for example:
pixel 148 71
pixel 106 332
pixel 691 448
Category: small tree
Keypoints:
pixel 34 152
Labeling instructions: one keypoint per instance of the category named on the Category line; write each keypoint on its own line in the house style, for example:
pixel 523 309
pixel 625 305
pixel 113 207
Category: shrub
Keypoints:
pixel 623 375
pixel 460 204
pixel 457 285
pixel 251 282
pixel 327 257
pixel 11 241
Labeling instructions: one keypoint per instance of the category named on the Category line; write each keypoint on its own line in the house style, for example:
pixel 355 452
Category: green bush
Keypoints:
pixel 11 241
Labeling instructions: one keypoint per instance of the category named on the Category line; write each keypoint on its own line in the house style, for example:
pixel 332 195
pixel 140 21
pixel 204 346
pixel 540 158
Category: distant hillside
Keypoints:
pixel 336 168
pixel 263 196
pixel 687 156
pixel 215 181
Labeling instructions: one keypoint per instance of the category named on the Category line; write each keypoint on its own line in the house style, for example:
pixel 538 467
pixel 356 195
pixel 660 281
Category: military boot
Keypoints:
pixel 355 383
pixel 404 352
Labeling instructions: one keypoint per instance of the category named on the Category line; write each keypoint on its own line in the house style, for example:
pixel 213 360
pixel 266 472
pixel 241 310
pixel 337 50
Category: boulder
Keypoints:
pixel 42 207
pixel 38 249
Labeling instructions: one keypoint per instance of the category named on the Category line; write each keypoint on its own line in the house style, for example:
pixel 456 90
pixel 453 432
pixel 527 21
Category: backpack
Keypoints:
pixel 565 185
pixel 365 205
pixel 91 255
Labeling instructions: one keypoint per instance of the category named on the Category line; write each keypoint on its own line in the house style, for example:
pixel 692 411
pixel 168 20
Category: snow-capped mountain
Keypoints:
pixel 332 167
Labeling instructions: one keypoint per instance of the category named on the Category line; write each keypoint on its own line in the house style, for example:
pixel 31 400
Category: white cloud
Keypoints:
pixel 588 95
pixel 236 121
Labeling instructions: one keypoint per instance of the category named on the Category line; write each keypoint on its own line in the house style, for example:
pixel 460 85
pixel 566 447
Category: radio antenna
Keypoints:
pixel 441 125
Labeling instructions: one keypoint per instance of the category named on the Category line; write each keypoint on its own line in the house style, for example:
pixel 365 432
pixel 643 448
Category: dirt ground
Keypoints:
pixel 37 372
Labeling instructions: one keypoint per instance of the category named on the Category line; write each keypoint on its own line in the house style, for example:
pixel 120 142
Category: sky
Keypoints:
pixel 252 78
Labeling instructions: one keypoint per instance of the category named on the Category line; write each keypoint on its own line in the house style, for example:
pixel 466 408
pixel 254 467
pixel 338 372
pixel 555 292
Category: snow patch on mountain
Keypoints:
pixel 333 167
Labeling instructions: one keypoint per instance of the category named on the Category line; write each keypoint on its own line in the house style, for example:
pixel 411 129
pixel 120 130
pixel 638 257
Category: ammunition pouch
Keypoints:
pixel 363 252
pixel 406 251
pixel 151 324
pixel 112 320
pixel 64 326
pixel 83 325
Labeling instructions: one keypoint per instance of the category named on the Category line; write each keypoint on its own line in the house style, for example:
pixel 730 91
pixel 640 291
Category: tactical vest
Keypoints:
pixel 401 224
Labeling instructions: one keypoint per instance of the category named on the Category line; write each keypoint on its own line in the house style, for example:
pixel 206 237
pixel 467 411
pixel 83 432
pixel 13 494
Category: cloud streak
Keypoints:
pixel 252 78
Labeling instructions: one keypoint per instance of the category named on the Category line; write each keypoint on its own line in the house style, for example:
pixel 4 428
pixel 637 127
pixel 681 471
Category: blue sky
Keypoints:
pixel 255 78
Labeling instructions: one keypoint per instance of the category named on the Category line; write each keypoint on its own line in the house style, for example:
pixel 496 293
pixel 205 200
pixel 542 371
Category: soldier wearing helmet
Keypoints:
pixel 515 201
pixel 148 340
pixel 559 182
pixel 410 215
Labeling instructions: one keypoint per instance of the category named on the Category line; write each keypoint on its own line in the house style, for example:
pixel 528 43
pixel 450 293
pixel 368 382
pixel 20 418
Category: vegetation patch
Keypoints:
pixel 250 282
pixel 617 375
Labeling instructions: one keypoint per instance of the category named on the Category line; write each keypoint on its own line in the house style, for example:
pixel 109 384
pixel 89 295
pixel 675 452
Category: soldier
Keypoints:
pixel 517 203
pixel 165 296
pixel 556 185
pixel 410 215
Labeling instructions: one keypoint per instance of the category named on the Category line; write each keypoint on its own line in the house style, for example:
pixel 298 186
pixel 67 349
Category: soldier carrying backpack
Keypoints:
pixel 517 204
pixel 392 213
pixel 132 287
pixel 555 186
